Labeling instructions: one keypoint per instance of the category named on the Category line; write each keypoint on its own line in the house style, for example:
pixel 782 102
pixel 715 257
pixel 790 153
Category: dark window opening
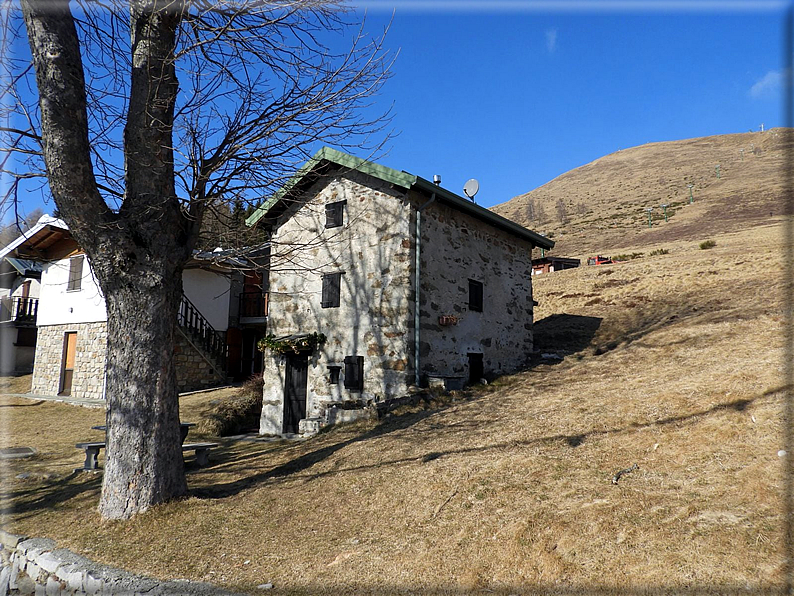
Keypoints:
pixel 354 373
pixel 335 214
pixel 75 274
pixel 475 295
pixel 334 371
pixel 331 285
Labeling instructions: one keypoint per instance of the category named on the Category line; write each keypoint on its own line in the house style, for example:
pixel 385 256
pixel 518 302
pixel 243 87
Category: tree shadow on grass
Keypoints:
pixel 304 462
pixel 50 496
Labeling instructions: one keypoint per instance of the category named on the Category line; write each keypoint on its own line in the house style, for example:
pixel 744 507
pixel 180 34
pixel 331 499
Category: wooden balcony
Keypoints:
pixel 253 307
pixel 19 310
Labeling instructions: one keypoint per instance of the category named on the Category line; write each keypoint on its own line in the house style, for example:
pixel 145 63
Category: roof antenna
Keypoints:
pixel 470 188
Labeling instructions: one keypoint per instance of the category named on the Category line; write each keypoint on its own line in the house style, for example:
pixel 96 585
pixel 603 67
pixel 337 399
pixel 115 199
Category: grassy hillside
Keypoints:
pixel 672 362
pixel 604 201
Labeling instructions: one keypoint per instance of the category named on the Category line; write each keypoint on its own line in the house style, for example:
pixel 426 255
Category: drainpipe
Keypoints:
pixel 417 252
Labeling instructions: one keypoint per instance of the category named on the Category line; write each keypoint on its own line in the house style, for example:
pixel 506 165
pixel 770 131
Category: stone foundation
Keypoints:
pixel 88 381
pixel 193 371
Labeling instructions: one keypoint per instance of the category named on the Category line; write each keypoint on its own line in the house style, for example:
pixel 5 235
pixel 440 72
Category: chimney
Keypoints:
pixel 436 179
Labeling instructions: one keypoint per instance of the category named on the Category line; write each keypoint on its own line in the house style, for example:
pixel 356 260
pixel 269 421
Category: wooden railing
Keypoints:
pixel 253 304
pixel 19 309
pixel 201 332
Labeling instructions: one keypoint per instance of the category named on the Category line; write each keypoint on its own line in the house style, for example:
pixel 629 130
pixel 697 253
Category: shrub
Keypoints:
pixel 234 414
pixel 634 255
pixel 659 251
pixel 707 244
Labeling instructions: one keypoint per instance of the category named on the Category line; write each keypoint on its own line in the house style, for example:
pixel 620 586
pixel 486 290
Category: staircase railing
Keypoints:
pixel 200 330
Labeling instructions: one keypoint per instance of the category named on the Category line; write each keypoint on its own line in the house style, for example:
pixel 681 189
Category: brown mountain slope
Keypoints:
pixel 600 207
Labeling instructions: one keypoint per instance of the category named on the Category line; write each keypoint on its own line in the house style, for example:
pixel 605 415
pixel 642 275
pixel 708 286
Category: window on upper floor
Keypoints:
pixel 475 295
pixel 335 214
pixel 75 274
pixel 331 286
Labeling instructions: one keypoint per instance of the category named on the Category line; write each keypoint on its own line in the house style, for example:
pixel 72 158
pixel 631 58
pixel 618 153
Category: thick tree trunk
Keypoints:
pixel 138 253
pixel 144 465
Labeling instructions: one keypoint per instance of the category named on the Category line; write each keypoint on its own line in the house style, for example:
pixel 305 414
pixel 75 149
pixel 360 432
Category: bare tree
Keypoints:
pixel 531 212
pixel 562 211
pixel 148 114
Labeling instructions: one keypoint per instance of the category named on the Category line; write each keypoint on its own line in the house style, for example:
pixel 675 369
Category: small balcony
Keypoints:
pixel 19 310
pixel 253 308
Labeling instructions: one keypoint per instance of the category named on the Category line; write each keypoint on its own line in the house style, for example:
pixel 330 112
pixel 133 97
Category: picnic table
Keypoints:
pixel 92 449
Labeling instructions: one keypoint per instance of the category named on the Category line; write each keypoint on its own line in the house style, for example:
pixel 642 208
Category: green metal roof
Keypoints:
pixel 403 180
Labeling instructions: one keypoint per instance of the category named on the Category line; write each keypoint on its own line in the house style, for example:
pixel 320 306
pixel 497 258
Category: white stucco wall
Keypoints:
pixel 59 306
pixel 209 292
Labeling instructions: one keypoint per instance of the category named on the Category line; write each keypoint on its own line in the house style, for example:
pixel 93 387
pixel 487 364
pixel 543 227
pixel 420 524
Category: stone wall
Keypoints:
pixel 35 566
pixel 194 371
pixel 88 382
pixel 373 250
pixel 456 248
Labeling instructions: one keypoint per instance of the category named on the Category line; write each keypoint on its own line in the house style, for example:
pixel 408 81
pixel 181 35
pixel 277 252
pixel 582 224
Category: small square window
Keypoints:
pixel 331 286
pixel 75 274
pixel 333 374
pixel 335 214
pixel 475 295
pixel 354 373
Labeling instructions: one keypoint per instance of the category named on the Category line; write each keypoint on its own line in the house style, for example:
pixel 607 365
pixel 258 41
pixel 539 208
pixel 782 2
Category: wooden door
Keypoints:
pixel 295 392
pixel 67 363
pixel 475 368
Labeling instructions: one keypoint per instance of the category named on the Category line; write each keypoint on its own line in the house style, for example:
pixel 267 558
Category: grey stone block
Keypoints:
pixel 35 546
pixel 5 577
pixel 25 586
pixel 48 562
pixel 32 570
pixel 12 578
pixel 72 575
pixel 39 590
pixel 92 585
pixel 10 540
pixel 53 587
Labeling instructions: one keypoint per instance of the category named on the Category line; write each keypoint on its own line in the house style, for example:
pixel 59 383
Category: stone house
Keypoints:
pixel 217 332
pixel 548 264
pixel 408 283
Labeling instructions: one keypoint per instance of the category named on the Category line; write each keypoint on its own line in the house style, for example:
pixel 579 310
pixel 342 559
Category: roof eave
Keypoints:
pixel 482 213
pixel 328 155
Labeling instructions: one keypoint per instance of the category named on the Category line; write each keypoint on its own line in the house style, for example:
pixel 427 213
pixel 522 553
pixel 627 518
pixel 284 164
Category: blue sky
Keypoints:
pixel 516 93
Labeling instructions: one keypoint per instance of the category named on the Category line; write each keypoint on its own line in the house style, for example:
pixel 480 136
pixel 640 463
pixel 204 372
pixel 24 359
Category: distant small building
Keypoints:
pixel 549 264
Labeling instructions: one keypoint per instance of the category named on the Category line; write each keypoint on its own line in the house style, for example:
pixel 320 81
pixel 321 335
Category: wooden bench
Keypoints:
pixel 92 453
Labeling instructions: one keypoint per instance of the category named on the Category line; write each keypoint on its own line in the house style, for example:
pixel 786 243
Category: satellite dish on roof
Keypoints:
pixel 470 188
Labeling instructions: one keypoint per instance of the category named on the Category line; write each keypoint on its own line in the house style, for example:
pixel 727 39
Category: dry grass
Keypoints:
pixel 606 199
pixel 20 384
pixel 671 361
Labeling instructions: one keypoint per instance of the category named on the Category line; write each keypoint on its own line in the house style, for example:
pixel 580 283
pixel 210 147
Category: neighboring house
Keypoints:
pixel 19 300
pixel 407 281
pixel 72 331
pixel 549 264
